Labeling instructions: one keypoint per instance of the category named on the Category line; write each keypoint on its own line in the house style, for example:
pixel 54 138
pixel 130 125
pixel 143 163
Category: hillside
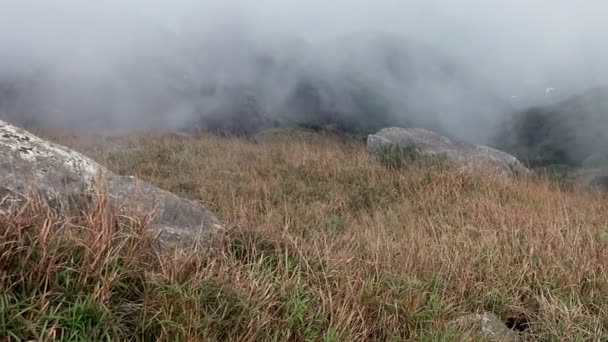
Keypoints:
pixel 565 133
pixel 375 80
pixel 359 82
pixel 326 244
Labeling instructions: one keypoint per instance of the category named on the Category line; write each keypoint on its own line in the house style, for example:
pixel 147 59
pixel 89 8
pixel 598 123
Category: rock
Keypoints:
pixel 486 326
pixel 66 177
pixel 430 143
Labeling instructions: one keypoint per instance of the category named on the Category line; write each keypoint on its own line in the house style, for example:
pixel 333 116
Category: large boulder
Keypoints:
pixel 65 178
pixel 430 143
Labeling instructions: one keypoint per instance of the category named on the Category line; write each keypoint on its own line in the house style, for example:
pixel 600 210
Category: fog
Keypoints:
pixel 457 66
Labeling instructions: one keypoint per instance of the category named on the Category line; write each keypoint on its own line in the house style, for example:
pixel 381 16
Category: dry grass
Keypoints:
pixel 329 245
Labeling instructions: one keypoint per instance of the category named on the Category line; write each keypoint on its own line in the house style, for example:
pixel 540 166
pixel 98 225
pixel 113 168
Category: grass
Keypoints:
pixel 327 244
pixel 396 157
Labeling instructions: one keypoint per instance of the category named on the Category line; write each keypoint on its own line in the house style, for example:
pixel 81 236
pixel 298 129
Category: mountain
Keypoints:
pixel 565 133
pixel 374 80
pixel 239 84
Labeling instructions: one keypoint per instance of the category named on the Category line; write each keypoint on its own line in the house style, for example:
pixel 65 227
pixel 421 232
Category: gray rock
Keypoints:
pixel 487 326
pixel 65 177
pixel 463 154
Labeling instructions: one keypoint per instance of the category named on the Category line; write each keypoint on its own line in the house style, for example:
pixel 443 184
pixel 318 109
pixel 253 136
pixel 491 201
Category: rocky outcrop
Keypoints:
pixel 461 153
pixel 486 326
pixel 65 177
pixel 563 133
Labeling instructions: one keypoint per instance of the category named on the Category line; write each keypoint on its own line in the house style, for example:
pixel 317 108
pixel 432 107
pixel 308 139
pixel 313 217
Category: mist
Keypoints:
pixel 458 67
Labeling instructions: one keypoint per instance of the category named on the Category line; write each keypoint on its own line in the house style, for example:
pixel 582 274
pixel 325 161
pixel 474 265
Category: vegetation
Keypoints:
pixel 397 156
pixel 326 244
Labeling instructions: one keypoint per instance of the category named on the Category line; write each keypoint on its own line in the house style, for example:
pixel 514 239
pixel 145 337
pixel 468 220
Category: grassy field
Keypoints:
pixel 325 244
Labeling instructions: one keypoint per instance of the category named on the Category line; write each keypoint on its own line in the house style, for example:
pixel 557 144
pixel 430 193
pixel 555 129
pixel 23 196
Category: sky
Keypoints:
pixel 517 48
